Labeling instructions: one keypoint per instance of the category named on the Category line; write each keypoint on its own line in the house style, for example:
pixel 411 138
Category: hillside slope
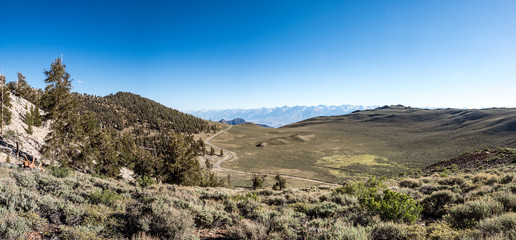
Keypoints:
pixel 127 110
pixel 16 130
pixel 383 141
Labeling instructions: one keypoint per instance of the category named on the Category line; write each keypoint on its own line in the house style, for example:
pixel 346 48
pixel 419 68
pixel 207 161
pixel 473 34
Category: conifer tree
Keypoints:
pixel 281 183
pixel 36 116
pixel 5 111
pixel 62 143
pixel 22 88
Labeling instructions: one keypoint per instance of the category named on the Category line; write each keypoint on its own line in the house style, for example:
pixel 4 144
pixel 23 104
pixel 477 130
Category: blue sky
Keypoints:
pixel 194 55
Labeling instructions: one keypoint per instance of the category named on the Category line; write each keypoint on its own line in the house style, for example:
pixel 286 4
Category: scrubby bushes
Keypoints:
pixel 328 229
pixel 437 204
pixel 162 220
pixel 389 231
pixel 410 183
pixel 467 215
pixel 11 225
pixel 505 223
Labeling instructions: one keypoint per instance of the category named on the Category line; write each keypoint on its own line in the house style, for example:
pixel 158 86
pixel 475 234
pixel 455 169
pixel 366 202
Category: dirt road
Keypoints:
pixel 230 155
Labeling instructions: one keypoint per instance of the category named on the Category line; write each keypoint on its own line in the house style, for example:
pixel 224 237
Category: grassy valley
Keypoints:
pixel 382 142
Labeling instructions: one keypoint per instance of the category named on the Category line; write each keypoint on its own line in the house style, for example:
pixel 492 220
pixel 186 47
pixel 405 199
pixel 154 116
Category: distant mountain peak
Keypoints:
pixel 279 116
pixel 238 121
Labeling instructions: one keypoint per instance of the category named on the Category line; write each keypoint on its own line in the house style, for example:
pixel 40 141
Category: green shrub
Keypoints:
pixel 485 178
pixel 145 181
pixel 441 231
pixel 467 215
pixel 106 197
pixel 248 230
pixel 436 205
pixel 162 220
pixel 60 172
pixel 16 198
pixel 323 210
pixel 410 183
pixel 393 206
pixel 508 200
pixel 331 229
pixel 389 231
pixel 72 214
pixel 204 219
pixel 450 181
pixel 427 189
pixel 212 219
pixel 50 208
pixel 361 189
pixel 11 225
pixel 79 232
pixel 24 179
pixel 276 200
pixel 286 223
pixel 499 224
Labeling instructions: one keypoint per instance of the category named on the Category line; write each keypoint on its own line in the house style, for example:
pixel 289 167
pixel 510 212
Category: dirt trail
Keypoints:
pixel 230 155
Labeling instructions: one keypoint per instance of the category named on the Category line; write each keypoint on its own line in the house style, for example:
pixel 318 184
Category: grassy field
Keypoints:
pixel 383 141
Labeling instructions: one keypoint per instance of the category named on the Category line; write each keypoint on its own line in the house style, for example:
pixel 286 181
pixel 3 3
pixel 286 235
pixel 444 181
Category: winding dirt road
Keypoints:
pixel 230 155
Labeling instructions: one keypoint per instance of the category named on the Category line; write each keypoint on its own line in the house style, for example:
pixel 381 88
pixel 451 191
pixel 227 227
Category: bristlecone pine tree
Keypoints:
pixel 6 103
pixel 63 142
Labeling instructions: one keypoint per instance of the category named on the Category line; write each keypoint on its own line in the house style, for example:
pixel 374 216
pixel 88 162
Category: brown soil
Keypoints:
pixel 476 160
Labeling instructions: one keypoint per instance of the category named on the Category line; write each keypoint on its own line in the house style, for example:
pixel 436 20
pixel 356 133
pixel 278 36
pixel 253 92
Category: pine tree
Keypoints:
pixel 6 104
pixel 258 181
pixel 36 116
pixel 22 88
pixel 62 143
pixel 212 151
pixel 281 183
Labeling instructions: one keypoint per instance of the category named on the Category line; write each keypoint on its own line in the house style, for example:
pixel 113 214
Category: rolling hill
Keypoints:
pixel 383 141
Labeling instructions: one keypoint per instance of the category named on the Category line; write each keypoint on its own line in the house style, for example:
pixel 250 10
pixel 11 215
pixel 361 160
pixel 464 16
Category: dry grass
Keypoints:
pixel 342 147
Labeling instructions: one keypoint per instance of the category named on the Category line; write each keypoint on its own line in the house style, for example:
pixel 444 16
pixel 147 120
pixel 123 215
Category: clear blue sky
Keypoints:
pixel 209 54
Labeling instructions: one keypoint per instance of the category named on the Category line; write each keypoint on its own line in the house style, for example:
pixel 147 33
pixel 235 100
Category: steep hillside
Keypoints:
pixel 127 110
pixel 383 141
pixel 278 116
pixel 16 131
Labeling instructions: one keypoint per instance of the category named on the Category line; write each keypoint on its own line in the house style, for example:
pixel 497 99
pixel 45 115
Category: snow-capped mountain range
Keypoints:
pixel 278 116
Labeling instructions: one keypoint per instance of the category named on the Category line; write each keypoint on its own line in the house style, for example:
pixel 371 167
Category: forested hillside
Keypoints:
pixel 101 135
pixel 123 110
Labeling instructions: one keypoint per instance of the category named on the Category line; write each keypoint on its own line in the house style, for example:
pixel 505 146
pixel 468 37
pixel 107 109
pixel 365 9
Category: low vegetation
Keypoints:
pixel 426 205
pixel 382 142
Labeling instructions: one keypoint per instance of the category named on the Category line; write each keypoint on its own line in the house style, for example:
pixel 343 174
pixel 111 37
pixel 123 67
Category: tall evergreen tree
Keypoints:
pixel 62 143
pixel 36 116
pixel 5 110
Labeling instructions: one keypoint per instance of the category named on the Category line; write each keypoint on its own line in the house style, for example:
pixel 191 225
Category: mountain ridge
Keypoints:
pixel 279 116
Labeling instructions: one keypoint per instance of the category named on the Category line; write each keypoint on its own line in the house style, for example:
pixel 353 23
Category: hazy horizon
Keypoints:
pixel 199 55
